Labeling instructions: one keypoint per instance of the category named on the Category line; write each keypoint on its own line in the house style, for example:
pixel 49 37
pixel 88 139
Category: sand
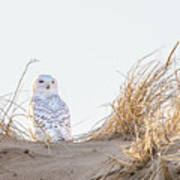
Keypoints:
pixel 67 161
pixel 21 160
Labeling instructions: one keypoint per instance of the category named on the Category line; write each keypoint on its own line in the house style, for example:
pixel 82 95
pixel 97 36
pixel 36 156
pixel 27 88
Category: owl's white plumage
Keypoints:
pixel 50 113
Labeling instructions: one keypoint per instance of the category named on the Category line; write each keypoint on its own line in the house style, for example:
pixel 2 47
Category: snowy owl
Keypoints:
pixel 50 113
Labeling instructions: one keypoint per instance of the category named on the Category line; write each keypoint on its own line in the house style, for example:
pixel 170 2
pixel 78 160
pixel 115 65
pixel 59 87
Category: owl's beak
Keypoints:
pixel 48 87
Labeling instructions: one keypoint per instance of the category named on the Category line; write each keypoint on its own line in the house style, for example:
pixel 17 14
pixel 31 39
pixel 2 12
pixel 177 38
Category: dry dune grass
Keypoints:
pixel 147 88
pixel 147 109
pixel 12 111
pixel 155 156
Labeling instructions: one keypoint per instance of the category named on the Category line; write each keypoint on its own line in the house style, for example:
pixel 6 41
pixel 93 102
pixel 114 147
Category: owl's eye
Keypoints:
pixel 52 82
pixel 41 81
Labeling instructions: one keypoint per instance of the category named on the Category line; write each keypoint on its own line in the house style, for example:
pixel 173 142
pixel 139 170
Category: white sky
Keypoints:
pixel 82 43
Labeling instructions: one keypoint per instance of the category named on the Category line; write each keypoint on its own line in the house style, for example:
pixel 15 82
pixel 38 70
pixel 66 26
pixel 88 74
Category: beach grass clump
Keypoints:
pixel 13 116
pixel 161 128
pixel 155 155
pixel 154 152
pixel 148 86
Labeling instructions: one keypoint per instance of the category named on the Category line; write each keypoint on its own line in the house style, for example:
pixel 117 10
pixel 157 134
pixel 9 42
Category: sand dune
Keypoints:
pixel 67 161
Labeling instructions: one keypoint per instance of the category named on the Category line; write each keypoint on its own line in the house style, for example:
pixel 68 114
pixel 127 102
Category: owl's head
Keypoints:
pixel 45 83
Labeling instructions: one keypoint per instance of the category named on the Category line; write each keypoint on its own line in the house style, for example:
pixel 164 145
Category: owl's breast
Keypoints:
pixel 54 103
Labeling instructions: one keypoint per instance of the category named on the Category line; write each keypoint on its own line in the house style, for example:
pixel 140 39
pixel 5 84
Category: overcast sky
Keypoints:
pixel 82 43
